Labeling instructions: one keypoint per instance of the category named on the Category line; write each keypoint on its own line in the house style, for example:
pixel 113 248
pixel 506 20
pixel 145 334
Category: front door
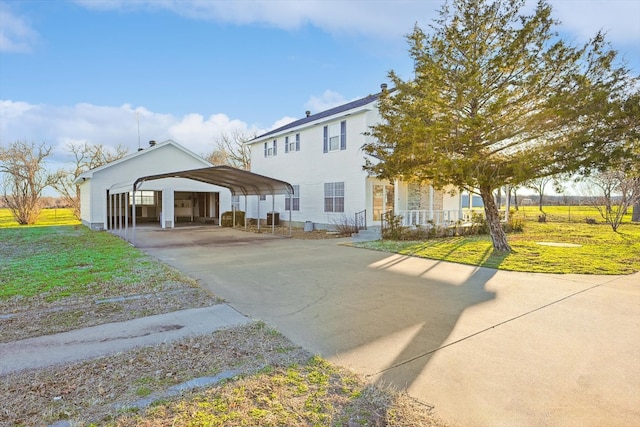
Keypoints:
pixel 383 198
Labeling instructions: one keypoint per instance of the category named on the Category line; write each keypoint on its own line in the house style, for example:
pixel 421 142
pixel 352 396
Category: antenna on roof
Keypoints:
pixel 138 121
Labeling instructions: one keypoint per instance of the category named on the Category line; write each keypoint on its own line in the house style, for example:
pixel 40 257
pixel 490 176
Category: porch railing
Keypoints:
pixel 437 217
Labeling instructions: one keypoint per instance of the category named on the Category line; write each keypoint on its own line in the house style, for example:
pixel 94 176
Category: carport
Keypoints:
pixel 238 181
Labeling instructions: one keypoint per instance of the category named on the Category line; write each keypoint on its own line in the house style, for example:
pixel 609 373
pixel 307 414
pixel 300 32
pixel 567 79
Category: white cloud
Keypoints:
pixel 282 122
pixel 382 19
pixel 60 125
pixel 619 19
pixel 15 34
pixel 328 99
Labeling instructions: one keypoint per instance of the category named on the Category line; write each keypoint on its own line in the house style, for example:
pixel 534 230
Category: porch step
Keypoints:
pixel 371 233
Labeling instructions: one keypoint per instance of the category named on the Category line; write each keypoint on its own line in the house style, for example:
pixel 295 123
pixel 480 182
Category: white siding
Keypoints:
pixel 163 158
pixel 311 168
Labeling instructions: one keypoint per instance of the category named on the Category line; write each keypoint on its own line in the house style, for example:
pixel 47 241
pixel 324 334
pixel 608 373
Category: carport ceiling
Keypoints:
pixel 238 181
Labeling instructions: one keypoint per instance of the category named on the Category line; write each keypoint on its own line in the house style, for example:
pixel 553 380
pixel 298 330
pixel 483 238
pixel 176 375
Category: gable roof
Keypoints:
pixel 358 103
pixel 89 174
pixel 238 181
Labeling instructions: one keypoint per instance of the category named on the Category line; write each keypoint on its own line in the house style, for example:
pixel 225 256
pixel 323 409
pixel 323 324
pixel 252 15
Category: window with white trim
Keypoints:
pixel 292 143
pixel 293 202
pixel 335 137
pixel 271 148
pixel 143 198
pixel 334 197
pixel 235 203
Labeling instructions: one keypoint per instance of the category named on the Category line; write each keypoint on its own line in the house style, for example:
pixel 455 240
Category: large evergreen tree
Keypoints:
pixel 498 98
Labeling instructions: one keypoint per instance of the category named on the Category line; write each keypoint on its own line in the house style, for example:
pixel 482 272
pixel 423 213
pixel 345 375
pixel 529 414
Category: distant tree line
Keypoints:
pixel 24 175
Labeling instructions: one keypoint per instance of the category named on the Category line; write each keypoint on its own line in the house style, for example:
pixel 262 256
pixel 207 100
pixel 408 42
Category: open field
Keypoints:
pixel 587 249
pixel 48 217
pixel 55 279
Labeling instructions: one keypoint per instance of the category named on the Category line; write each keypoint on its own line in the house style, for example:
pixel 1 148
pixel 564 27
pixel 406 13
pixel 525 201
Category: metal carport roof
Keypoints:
pixel 238 181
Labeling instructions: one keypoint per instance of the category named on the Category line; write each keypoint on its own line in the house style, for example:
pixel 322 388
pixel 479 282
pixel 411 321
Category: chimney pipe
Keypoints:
pixel 308 113
pixel 383 86
pixel 152 143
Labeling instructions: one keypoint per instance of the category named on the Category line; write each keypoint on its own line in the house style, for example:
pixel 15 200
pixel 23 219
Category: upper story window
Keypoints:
pixel 292 143
pixel 335 137
pixel 271 148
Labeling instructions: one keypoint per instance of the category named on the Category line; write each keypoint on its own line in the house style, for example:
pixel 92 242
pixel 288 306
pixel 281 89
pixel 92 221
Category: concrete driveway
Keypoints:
pixel 484 347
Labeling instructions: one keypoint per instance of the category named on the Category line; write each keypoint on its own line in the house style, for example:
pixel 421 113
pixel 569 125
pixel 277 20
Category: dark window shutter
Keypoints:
pixel 326 139
pixel 265 149
pixel 275 147
pixel 286 144
pixel 343 135
pixel 297 142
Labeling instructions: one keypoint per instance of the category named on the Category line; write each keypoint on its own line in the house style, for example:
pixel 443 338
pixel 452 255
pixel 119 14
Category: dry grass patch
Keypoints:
pixel 314 393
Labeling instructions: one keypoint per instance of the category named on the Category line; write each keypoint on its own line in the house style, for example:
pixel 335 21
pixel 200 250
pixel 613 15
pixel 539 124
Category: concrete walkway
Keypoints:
pixel 110 338
pixel 485 347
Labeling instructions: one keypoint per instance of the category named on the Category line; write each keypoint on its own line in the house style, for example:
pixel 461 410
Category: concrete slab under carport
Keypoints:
pixel 485 347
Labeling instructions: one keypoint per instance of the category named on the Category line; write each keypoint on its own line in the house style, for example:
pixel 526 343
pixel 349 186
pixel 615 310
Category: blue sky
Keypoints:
pixel 90 70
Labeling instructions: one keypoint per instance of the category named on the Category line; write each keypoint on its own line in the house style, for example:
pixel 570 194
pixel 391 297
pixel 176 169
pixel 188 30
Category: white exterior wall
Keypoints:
pixel 311 168
pixel 449 202
pixel 162 158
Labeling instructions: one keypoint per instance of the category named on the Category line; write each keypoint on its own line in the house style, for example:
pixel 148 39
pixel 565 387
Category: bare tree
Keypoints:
pixel 612 193
pixel 85 157
pixel 22 165
pixel 231 150
pixel 539 186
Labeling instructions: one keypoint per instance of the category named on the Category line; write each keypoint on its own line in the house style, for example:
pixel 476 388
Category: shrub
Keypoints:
pixel 344 225
pixel 227 218
pixel 514 225
pixel 590 220
pixel 392 228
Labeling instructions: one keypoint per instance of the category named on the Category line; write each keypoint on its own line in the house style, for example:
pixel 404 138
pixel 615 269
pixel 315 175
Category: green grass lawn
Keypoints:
pixel 601 250
pixel 60 261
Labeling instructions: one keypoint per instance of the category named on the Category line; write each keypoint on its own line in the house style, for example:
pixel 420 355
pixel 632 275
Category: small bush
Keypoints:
pixel 514 225
pixel 590 220
pixel 392 228
pixel 345 226
pixel 227 218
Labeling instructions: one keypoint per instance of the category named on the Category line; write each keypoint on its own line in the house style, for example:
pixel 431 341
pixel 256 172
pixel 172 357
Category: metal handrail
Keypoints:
pixel 361 220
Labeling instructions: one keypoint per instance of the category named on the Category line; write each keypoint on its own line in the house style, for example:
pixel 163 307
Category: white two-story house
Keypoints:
pixel 321 156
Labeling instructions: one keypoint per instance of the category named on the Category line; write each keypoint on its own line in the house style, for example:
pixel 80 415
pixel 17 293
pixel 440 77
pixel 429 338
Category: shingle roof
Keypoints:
pixel 327 113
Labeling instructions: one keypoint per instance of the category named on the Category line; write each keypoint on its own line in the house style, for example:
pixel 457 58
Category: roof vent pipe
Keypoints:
pixel 140 149
pixel 308 113
pixel 152 143
pixel 383 86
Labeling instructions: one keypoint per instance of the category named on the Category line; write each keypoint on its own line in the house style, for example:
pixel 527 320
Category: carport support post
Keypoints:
pixel 126 216
pixel 273 214
pixel 245 212
pixel 133 215
pixel 290 207
pixel 258 196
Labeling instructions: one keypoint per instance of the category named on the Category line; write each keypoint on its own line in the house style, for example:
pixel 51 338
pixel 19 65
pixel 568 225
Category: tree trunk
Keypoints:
pixel 635 217
pixel 498 236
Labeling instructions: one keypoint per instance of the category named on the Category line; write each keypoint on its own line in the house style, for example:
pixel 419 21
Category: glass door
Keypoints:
pixel 383 198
